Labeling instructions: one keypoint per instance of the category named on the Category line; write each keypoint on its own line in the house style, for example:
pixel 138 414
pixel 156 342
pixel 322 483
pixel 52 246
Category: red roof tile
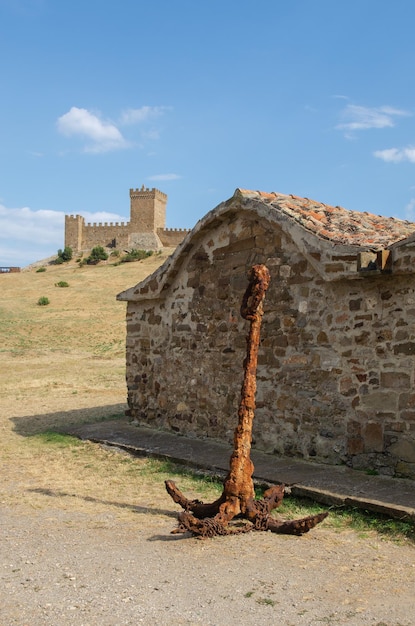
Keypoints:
pixel 336 223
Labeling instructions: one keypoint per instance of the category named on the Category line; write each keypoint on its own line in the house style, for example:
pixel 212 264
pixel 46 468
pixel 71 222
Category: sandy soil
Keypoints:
pixel 85 532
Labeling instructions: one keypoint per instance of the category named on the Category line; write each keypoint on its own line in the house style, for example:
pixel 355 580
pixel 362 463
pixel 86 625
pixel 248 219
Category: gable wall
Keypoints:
pixel 335 371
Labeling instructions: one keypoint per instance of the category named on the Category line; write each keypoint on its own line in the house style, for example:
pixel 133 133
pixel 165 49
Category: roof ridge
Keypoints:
pixel 336 223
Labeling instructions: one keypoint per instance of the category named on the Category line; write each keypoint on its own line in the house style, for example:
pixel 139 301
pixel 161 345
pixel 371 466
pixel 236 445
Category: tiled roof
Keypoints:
pixel 336 223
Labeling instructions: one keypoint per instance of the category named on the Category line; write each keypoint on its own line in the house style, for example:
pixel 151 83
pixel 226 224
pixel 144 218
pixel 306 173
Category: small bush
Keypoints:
pixel 136 255
pixel 43 301
pixel 40 269
pixel 62 283
pixel 64 255
pixel 97 254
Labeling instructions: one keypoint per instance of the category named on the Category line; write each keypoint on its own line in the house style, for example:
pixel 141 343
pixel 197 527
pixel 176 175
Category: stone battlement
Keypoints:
pixel 176 230
pixel 146 192
pixel 100 224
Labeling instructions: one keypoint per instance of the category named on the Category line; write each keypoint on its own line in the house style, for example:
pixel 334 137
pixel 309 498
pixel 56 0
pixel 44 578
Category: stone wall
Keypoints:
pixel 171 237
pixel 106 235
pixel 81 236
pixel 336 362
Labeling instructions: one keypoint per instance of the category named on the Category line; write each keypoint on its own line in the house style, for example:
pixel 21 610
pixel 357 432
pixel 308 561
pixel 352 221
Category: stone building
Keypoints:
pixel 336 362
pixel 145 231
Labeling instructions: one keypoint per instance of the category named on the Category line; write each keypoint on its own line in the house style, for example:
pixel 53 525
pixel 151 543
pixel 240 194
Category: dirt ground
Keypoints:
pixel 85 531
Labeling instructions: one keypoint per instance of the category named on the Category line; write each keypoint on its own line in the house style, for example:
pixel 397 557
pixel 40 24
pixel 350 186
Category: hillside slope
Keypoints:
pixel 70 354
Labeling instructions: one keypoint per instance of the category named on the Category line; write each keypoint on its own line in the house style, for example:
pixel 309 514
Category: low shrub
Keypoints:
pixel 64 255
pixel 62 283
pixel 97 254
pixel 40 269
pixel 43 301
pixel 136 255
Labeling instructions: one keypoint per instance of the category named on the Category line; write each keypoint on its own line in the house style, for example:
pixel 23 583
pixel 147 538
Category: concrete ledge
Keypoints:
pixel 327 484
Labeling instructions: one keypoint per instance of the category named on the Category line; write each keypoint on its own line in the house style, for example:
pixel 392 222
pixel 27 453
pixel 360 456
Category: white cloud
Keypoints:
pixel 27 236
pixel 165 177
pixel 143 114
pixel 396 155
pixel 105 136
pixel 363 118
pixel 25 224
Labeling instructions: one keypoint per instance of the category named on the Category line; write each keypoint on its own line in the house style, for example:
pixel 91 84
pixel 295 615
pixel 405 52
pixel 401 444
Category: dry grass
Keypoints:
pixel 64 363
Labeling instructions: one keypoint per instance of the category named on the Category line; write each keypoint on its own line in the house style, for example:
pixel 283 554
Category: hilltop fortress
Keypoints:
pixel 145 231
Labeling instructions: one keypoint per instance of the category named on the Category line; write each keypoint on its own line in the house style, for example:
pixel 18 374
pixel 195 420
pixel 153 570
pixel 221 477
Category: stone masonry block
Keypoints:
pixel 405 348
pixel 404 450
pixel 405 469
pixel 395 380
pixel 373 437
pixel 380 401
pixel 355 445
pixel 407 401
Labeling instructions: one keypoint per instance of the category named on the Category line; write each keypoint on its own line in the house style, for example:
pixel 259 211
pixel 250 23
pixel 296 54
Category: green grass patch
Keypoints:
pixel 51 437
pixel 365 522
pixel 344 518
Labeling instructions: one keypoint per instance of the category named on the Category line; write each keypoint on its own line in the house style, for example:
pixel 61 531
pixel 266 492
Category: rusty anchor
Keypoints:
pixel 238 497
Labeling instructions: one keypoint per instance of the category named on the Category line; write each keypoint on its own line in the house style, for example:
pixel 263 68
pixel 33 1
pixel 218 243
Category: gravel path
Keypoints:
pixel 61 567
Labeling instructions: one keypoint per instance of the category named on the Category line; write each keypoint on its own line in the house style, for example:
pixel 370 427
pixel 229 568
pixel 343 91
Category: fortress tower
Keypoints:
pixel 74 226
pixel 147 209
pixel 147 215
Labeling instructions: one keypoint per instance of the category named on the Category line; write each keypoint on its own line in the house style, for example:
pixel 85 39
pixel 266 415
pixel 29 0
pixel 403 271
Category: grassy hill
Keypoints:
pixel 69 354
pixel 83 316
pixel 62 364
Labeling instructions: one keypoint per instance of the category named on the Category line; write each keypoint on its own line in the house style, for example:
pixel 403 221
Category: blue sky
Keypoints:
pixel 197 98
